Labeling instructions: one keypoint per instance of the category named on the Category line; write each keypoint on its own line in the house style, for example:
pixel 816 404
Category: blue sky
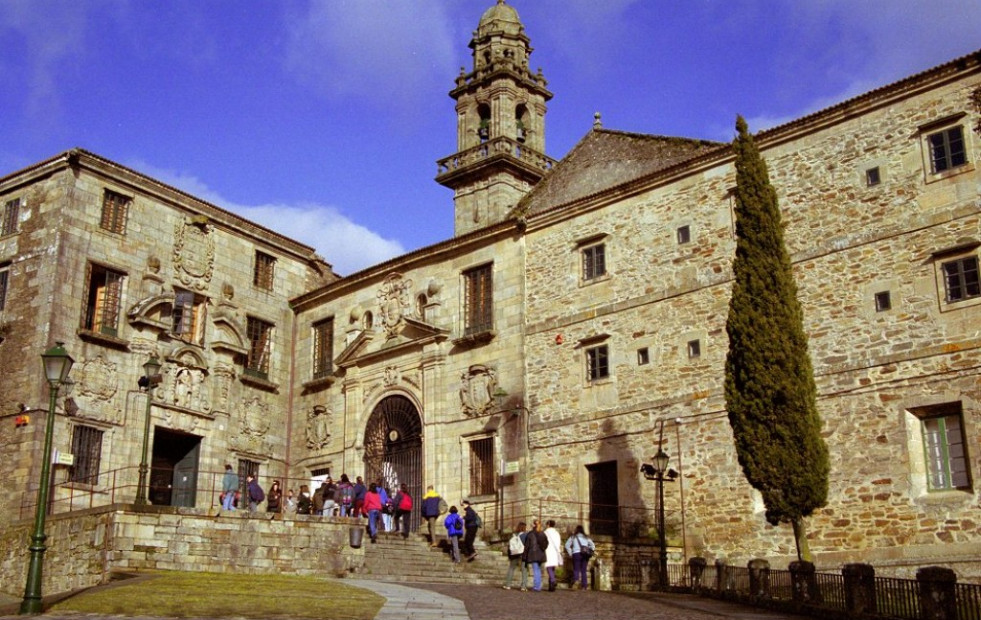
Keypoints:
pixel 323 120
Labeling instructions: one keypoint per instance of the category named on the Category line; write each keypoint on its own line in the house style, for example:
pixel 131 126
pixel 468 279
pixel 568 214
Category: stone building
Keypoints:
pixel 573 325
pixel 120 267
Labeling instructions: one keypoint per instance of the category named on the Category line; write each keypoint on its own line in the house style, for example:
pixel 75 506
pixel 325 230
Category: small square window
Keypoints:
pixel 265 270
pixel 11 217
pixel 947 149
pixel 115 208
pixel 597 363
pixel 872 176
pixel 684 235
pixel 961 279
pixel 593 262
pixel 694 348
pixel 883 301
pixel 643 357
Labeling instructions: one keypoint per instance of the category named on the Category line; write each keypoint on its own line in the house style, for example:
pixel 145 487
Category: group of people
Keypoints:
pixel 535 548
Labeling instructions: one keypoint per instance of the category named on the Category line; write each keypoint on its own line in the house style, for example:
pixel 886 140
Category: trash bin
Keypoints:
pixel 356 536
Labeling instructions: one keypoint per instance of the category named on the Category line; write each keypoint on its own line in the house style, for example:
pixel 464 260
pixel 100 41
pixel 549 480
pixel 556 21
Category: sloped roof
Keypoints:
pixel 603 159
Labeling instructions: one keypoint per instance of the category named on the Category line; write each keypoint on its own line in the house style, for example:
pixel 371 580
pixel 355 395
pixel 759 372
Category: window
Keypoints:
pixel 482 466
pixel 188 316
pixel 643 356
pixel 883 301
pixel 947 149
pixel 115 208
pixel 11 217
pixel 323 348
pixel 264 271
pixel 247 468
pixel 872 176
pixel 478 300
pixel 87 449
pixel 102 303
pixel 961 279
pixel 684 235
pixel 597 363
pixel 944 448
pixel 260 347
pixel 4 273
pixel 694 349
pixel 593 262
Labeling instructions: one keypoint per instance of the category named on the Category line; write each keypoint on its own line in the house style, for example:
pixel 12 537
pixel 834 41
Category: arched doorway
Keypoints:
pixel 393 449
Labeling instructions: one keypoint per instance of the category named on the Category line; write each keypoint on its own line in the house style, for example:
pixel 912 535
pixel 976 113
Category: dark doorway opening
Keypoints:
pixel 174 468
pixel 393 449
pixel 604 499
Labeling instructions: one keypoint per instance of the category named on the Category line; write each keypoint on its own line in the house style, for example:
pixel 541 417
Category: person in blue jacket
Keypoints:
pixel 454 530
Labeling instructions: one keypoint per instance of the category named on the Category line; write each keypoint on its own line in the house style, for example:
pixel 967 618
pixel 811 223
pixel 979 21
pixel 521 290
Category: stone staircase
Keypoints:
pixel 411 559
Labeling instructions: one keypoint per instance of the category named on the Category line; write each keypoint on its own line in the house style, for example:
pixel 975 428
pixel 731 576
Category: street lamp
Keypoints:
pixel 150 378
pixel 57 365
pixel 658 472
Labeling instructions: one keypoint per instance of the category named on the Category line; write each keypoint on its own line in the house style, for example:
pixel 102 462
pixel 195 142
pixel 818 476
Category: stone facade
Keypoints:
pixel 533 362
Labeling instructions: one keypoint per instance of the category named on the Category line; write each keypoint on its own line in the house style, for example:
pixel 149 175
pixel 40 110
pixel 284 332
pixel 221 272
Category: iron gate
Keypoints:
pixel 393 450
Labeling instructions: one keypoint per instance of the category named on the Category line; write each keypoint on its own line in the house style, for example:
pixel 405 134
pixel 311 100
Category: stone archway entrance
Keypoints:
pixel 393 449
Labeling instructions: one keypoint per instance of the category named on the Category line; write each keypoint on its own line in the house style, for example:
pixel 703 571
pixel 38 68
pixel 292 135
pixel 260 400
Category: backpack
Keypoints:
pixel 347 495
pixel 406 502
pixel 478 521
pixel 515 546
pixel 585 550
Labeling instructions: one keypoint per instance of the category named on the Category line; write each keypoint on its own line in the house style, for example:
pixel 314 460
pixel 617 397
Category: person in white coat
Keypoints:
pixel 553 553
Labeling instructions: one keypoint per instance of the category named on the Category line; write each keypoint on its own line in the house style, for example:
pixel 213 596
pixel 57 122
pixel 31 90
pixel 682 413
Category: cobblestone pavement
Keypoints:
pixel 419 601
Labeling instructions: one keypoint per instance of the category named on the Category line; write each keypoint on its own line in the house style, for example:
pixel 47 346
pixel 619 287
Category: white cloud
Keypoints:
pixel 386 53
pixel 344 244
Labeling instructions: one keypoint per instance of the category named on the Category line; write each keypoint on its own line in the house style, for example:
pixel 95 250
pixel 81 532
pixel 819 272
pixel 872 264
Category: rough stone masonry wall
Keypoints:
pixel 84 547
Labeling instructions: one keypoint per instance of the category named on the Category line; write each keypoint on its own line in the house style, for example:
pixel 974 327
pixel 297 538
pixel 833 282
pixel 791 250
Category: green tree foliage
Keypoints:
pixel 769 382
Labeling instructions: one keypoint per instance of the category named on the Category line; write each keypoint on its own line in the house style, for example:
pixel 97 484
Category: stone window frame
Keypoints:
pixel 593 260
pixel 264 271
pixel 882 300
pixel 188 316
pixel 643 356
pixel 102 306
pixel 694 348
pixel 950 463
pixel 88 444
pixel 478 299
pixel 260 333
pixel 965 250
pixel 115 211
pixel 942 127
pixel 598 367
pixel 683 234
pixel 10 224
pixel 322 333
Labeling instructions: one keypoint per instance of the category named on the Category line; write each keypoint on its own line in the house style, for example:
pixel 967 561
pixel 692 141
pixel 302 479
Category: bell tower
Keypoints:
pixel 500 135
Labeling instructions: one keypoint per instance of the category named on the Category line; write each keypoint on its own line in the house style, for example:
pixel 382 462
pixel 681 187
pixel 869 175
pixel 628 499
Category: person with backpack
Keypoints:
pixel 536 542
pixel 388 509
pixel 403 510
pixel 516 548
pixel 581 548
pixel 345 495
pixel 454 530
pixel 432 507
pixel 256 494
pixel 553 553
pixel 471 521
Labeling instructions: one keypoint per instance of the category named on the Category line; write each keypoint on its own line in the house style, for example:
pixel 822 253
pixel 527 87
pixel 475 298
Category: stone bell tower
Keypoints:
pixel 500 107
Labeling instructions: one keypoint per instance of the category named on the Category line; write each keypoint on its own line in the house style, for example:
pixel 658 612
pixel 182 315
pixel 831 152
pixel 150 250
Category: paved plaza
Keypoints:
pixel 453 602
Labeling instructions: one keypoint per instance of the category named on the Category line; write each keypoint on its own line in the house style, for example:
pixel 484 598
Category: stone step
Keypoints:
pixel 394 558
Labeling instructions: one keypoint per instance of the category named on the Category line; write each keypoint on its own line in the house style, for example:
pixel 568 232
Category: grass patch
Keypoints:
pixel 185 595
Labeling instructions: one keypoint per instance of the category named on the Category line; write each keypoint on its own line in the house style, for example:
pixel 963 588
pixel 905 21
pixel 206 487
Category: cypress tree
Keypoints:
pixel 770 392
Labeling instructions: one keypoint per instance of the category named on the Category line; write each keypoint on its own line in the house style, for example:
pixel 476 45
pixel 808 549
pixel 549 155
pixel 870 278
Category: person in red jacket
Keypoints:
pixel 373 506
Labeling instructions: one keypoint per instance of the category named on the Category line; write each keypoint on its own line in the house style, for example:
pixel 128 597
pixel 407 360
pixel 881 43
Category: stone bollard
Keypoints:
pixel 723 577
pixel 937 593
pixel 759 578
pixel 804 582
pixel 859 588
pixel 696 570
pixel 602 579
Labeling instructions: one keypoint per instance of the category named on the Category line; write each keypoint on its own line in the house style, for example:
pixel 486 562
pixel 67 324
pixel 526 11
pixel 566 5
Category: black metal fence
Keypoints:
pixel 855 592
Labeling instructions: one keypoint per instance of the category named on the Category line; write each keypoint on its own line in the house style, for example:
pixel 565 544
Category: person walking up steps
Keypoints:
pixel 432 506
pixel 454 530
pixel 516 549
pixel 471 522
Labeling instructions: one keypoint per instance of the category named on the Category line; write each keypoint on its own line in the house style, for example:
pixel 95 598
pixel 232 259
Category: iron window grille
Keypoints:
pixel 4 275
pixel 323 348
pixel 11 217
pixel 482 476
pixel 102 302
pixel 115 209
pixel 259 333
pixel 265 271
pixel 478 300
pixel 87 449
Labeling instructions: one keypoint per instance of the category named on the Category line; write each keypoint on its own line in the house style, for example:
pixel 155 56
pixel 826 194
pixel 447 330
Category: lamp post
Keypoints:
pixel 57 364
pixel 658 471
pixel 150 378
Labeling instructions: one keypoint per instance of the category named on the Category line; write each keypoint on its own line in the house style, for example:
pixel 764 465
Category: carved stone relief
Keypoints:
pixel 318 427
pixel 194 253
pixel 394 303
pixel 392 376
pixel 96 384
pixel 224 378
pixel 477 386
pixel 187 387
pixel 254 422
